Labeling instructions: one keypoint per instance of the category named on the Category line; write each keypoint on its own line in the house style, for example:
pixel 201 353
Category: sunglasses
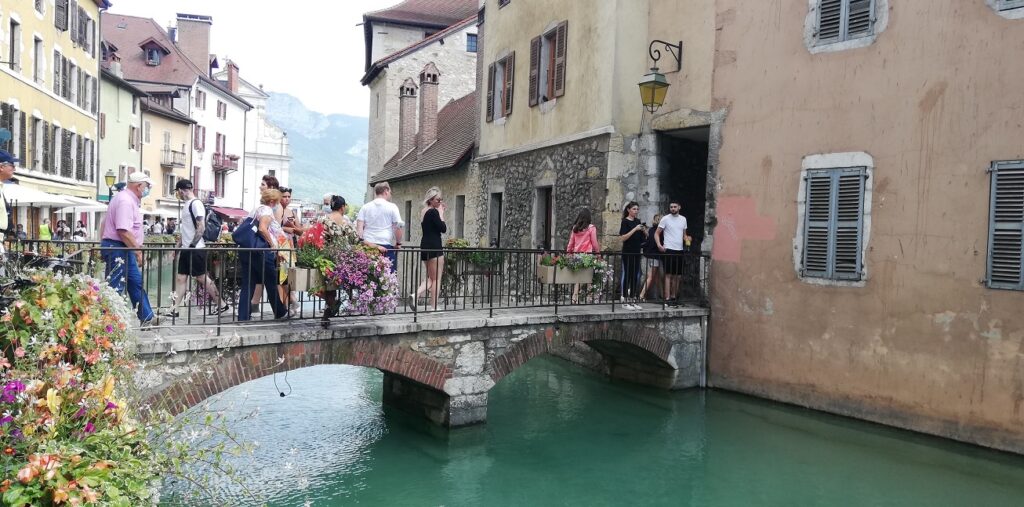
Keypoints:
pixel 285 190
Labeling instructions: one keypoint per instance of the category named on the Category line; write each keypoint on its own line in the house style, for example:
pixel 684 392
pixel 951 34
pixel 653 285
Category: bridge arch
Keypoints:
pixel 617 345
pixel 219 374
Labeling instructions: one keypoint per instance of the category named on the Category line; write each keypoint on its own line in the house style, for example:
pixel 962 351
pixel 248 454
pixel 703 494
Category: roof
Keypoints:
pixel 379 65
pixel 175 68
pixel 166 112
pixel 426 13
pixel 106 74
pixel 159 89
pixel 436 14
pixel 456 135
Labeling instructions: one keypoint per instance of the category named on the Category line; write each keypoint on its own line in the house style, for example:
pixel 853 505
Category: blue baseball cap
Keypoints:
pixel 7 158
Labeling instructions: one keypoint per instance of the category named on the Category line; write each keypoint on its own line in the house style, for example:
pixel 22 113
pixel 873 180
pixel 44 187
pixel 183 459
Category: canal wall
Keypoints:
pixel 919 337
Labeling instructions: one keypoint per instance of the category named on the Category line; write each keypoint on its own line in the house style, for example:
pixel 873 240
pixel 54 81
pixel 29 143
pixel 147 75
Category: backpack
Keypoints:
pixel 212 223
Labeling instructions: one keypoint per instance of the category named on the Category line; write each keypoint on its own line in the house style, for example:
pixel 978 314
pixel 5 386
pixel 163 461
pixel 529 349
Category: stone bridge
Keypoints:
pixel 441 366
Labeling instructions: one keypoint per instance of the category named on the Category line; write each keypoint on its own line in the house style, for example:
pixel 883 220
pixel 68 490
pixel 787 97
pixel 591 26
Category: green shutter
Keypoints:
pixel 1006 226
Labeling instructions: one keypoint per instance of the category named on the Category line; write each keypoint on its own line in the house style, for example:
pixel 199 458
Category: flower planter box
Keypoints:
pixel 304 279
pixel 559 275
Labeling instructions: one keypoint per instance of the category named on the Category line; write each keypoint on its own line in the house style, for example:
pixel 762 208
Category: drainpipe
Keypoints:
pixel 99 106
pixel 245 132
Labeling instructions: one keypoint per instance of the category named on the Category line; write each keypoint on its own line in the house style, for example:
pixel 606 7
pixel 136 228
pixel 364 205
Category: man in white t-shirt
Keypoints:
pixel 672 240
pixel 379 224
pixel 192 257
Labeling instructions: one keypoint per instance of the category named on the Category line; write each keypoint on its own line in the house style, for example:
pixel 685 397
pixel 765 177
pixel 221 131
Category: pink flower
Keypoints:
pixel 19 352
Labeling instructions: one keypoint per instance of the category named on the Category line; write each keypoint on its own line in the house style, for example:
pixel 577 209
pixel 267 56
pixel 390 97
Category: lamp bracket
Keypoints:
pixel 676 50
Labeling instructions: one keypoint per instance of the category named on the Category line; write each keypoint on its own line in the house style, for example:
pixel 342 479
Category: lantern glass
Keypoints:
pixel 653 89
pixel 109 177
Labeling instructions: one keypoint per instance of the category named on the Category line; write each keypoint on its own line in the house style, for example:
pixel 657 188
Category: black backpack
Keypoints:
pixel 211 231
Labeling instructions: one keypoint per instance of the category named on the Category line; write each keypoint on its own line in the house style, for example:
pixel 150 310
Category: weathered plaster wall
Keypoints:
pixel 458 77
pixel 575 171
pixel 923 344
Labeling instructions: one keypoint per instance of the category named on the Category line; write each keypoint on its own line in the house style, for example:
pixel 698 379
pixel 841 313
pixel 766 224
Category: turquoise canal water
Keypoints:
pixel 558 435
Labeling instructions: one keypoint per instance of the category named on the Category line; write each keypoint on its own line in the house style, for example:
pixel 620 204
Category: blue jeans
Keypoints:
pixel 258 267
pixel 392 254
pixel 122 268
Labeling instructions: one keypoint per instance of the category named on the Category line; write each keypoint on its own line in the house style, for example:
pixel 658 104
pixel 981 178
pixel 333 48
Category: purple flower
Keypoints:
pixel 89 427
pixel 109 328
pixel 111 406
pixel 5 419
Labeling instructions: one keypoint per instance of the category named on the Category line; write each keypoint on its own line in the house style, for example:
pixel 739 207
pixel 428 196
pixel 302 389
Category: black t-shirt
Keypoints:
pixel 635 243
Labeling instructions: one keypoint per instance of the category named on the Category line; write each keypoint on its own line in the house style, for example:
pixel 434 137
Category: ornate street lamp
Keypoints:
pixel 109 180
pixel 654 86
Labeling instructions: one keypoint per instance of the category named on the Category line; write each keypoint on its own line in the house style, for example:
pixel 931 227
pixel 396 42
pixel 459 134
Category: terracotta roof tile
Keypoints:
pixel 456 135
pixel 439 13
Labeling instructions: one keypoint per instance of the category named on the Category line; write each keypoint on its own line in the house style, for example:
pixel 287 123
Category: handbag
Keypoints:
pixel 246 235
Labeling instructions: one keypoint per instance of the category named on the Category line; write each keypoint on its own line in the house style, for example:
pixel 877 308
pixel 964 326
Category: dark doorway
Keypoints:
pixel 684 175
pixel 494 219
pixel 545 219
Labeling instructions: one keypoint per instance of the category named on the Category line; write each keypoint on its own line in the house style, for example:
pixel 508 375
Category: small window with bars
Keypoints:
pixel 834 224
pixel 1009 5
pixel 1006 226
pixel 842 20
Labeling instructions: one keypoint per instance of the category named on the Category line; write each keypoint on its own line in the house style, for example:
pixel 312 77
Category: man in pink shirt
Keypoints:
pixel 122 239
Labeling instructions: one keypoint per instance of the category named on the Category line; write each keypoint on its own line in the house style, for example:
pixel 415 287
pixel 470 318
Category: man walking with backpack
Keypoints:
pixel 193 226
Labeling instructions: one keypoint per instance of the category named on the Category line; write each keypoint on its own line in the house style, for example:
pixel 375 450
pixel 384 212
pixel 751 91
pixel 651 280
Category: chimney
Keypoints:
pixel 232 77
pixel 406 117
pixel 193 36
pixel 428 107
pixel 115 66
pixel 172 33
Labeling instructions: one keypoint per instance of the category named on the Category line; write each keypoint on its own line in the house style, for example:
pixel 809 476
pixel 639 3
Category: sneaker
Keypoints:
pixel 172 313
pixel 635 308
pixel 218 311
pixel 147 324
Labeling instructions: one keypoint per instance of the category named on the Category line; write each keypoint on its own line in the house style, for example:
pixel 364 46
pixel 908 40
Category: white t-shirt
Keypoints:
pixel 187 226
pixel 379 217
pixel 673 228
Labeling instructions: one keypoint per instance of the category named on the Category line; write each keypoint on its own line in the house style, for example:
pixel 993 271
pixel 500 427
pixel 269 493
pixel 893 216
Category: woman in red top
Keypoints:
pixel 582 240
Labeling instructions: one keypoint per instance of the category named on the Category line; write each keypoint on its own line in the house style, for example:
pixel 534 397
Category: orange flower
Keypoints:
pixel 9 451
pixel 60 496
pixel 27 473
pixel 4 486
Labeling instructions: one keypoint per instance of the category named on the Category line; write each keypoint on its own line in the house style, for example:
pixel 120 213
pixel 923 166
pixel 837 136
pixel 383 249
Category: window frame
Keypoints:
pixel 830 273
pixel 844 23
pixel 1008 5
pixel 471 41
pixel 994 225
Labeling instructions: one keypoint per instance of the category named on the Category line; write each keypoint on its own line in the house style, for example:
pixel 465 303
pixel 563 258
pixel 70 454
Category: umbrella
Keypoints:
pixel 23 196
pixel 79 204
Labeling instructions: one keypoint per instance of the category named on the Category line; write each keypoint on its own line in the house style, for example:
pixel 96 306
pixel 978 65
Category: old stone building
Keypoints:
pixel 400 41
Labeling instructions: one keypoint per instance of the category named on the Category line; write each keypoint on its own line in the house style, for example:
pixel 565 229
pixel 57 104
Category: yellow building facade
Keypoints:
pixel 166 155
pixel 49 83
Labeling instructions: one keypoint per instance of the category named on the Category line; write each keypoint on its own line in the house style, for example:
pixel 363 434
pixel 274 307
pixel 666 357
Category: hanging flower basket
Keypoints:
pixel 305 279
pixel 562 275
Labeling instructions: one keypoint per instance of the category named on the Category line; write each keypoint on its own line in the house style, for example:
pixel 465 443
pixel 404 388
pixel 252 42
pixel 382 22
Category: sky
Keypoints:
pixel 311 49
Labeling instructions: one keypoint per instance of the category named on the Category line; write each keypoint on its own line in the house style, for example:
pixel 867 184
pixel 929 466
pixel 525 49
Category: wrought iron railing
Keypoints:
pixel 172 158
pixel 222 162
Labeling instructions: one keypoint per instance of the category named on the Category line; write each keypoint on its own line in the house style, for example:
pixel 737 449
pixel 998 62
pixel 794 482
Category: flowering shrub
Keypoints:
pixel 364 276
pixel 603 272
pixel 69 429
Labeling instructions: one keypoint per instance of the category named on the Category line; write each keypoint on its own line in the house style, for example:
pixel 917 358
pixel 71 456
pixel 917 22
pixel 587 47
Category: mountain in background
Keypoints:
pixel 328 151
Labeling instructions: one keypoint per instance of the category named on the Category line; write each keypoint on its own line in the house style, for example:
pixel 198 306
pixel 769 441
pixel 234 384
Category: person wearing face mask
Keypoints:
pixel 122 243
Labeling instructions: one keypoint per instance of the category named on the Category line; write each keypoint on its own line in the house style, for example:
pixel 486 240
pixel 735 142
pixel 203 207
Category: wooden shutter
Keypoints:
pixel 561 39
pixel 23 140
pixel 5 117
pixel 510 66
pixel 1006 226
pixel 83 27
pixel 54 139
pixel 73 20
pixel 859 20
pixel 80 158
pixel 833 223
pixel 47 149
pixel 60 15
pixel 66 167
pixel 490 92
pixel 65 77
pixel 534 70
pixel 203 139
pixel 56 73
pixel 830 20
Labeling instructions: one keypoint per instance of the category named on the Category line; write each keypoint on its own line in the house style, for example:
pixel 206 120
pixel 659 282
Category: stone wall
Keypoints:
pixel 452 183
pixel 576 171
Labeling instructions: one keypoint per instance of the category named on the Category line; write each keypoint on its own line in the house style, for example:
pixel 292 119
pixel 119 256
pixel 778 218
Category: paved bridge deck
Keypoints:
pixel 168 340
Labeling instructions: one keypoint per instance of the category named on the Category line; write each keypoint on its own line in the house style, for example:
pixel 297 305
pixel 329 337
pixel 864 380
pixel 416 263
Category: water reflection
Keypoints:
pixel 557 435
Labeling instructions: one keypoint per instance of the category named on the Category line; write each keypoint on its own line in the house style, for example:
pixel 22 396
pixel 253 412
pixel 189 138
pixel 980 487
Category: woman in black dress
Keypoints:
pixel 430 243
pixel 633 233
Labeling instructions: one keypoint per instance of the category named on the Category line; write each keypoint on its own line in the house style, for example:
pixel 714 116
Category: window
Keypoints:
pixel 494 219
pixel 544 219
pixel 833 223
pixel 1006 226
pixel 169 183
pixel 37 144
pixel 37 59
pixel 167 140
pixel 58 150
pixel 40 6
pixel 135 105
pixel 14 58
pixel 73 76
pixel 147 129
pixel 200 99
pixel 841 20
pixel 133 137
pixel 499 87
pixel 60 16
pixel 460 216
pixel 56 73
pixel 502 3
pixel 272 172
pixel 547 65
pixel 199 138
pixel 153 56
pixel 471 42
pixel 219 180
pixel 222 110
pixel 122 173
pixel 1007 5
pixel 408 218
pixel 103 125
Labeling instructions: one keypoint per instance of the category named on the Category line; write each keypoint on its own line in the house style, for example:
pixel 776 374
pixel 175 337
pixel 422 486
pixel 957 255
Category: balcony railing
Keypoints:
pixel 222 162
pixel 170 158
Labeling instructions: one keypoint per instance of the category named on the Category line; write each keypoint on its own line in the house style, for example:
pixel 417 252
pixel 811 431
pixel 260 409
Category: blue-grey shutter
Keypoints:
pixel 848 223
pixel 1006 226
pixel 830 17
pixel 816 224
pixel 834 223
pixel 860 18
pixel 1005 5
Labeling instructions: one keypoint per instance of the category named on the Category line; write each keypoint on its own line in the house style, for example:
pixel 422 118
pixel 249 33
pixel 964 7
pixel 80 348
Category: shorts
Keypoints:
pixel 427 255
pixel 652 262
pixel 192 262
pixel 673 262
